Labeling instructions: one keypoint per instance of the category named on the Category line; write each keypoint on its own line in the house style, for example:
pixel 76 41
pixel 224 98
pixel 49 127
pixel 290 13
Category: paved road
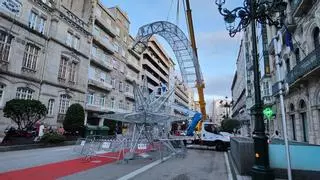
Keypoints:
pixel 198 165
pixel 14 160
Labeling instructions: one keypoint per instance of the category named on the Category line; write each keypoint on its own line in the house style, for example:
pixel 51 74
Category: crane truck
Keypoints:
pixel 208 135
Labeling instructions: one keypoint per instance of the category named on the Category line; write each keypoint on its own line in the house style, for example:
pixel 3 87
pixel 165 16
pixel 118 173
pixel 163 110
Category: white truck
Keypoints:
pixel 209 134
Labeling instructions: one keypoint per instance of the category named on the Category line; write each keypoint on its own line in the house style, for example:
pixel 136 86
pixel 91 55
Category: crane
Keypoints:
pixel 199 82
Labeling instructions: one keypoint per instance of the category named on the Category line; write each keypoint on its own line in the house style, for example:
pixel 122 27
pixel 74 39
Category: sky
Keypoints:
pixel 216 50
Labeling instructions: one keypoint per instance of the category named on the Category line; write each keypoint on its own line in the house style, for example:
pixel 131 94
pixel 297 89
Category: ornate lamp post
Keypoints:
pixel 253 11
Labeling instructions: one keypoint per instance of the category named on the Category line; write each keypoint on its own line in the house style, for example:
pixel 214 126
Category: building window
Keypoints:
pixel 42 25
pixel 121 86
pixel 72 72
pixel 108 21
pixel 293 127
pixel 76 42
pixel 90 98
pixel 69 39
pixel 64 103
pixel 96 31
pixel 303 116
pixel 112 102
pixel 128 106
pixel 118 31
pixel 266 88
pixel 5 43
pixel 116 47
pixel 127 88
pixel 113 83
pixel 123 52
pixel 125 39
pixel 122 67
pixel 121 104
pixel 94 51
pixel 2 87
pixel 67 70
pixel 102 101
pixel 24 93
pixel 30 57
pixel 50 106
pixel 33 20
pixel 115 64
pixel 63 68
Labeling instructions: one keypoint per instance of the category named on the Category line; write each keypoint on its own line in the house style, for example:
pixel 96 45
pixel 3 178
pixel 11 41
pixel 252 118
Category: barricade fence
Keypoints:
pixel 125 149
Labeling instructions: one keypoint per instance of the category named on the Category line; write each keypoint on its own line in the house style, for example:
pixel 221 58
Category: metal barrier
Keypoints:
pixel 242 152
pixel 100 146
pixel 124 149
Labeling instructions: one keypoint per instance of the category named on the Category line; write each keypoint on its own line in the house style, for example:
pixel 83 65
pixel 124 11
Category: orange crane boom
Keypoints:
pixel 200 83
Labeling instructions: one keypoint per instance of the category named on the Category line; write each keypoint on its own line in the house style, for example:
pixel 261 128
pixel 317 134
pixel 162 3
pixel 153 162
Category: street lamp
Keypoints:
pixel 227 106
pixel 252 12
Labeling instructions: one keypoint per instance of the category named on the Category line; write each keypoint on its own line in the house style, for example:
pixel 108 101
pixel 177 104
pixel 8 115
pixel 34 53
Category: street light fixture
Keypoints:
pixel 227 106
pixel 253 11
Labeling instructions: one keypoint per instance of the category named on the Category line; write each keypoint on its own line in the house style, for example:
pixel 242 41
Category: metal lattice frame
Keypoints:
pixel 181 46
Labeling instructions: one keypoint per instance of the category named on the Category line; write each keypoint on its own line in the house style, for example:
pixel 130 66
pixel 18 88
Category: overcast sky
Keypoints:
pixel 217 51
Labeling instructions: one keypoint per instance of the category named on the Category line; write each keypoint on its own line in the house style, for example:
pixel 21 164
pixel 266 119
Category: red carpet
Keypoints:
pixel 59 169
pixel 56 170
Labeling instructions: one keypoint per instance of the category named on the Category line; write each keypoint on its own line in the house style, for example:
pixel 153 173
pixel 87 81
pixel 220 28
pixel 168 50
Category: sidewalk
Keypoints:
pixel 235 174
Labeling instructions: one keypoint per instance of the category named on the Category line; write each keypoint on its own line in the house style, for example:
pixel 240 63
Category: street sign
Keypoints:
pixel 268 113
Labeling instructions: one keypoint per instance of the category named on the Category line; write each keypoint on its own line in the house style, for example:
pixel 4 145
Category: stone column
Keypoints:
pixel 101 121
pixel 298 127
pixel 316 125
pixel 85 117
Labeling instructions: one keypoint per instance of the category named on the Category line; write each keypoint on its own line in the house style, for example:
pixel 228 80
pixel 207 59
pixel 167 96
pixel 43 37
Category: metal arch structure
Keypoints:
pixel 181 46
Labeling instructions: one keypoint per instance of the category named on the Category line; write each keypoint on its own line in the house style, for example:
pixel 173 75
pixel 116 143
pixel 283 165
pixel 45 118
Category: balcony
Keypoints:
pixel 275 89
pixel 102 64
pixel 101 85
pixel 130 78
pixel 301 7
pixel 103 43
pixel 105 26
pixel 267 100
pixel 93 107
pixel 134 65
pixel 156 60
pixel 152 77
pixel 129 95
pixel 306 67
pixel 98 108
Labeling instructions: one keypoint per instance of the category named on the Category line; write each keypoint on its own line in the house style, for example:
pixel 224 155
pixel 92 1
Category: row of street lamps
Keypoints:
pixel 261 11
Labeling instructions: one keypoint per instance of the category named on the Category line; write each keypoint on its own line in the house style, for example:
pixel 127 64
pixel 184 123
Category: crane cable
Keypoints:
pixel 177 15
pixel 169 10
pixel 185 11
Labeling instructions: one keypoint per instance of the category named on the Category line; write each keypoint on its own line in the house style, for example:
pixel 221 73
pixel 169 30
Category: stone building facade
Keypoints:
pixel 113 66
pixel 300 56
pixel 44 48
pixel 238 91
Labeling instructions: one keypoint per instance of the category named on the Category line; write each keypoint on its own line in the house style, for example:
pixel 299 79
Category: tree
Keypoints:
pixel 74 120
pixel 228 125
pixel 24 112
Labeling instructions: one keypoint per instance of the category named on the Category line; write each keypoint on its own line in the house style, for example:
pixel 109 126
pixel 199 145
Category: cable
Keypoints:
pixel 169 10
pixel 177 15
pixel 184 8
